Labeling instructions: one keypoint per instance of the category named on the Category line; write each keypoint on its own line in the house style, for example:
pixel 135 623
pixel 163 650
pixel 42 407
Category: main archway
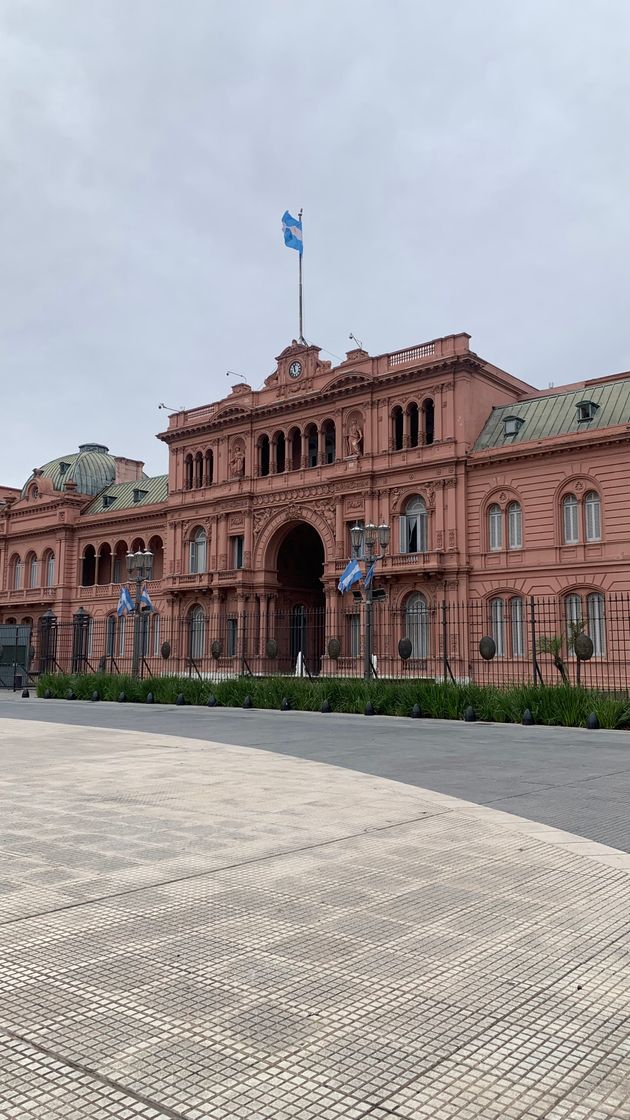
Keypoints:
pixel 298 559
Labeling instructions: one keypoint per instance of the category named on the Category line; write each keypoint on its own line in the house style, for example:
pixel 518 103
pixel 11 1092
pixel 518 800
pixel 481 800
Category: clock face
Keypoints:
pixel 295 369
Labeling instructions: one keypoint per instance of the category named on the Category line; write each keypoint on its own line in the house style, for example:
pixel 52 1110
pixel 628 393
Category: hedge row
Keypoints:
pixel 559 705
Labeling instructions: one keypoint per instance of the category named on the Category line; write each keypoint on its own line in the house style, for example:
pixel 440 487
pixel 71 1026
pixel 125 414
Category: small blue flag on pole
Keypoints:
pixel 292 230
pixel 125 602
pixel 369 575
pixel 145 600
pixel 351 574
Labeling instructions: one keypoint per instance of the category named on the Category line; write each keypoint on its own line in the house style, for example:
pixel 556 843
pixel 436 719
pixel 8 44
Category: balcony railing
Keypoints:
pixel 112 590
pixel 32 595
pixel 422 561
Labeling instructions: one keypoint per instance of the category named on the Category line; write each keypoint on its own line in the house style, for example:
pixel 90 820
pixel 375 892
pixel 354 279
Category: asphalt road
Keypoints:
pixel 576 780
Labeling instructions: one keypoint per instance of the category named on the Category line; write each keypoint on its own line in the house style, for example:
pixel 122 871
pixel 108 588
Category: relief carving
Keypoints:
pixel 237 459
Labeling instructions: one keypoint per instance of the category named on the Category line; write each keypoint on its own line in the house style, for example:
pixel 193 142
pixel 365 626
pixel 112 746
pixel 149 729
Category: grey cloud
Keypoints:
pixel 461 166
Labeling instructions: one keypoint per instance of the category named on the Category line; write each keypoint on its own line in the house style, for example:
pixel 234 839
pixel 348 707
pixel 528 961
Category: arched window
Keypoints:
pixel 592 516
pixel 295 449
pixel 31 568
pixel 263 455
pixel 497 624
pixel 516 626
pixel 49 569
pixel 495 528
pixel 209 468
pixel 417 625
pixel 198 470
pixel 574 621
pixel 330 441
pixel 414 526
pixel 596 622
pixel 156 547
pixel 104 565
pixel 110 636
pixel 88 566
pixel 570 521
pixel 280 449
pixel 413 421
pixel 188 472
pixel 397 428
pixel 311 445
pixel 515 525
pixel 197 555
pixel 120 561
pixel 197 633
pixel 17 573
pixel 428 422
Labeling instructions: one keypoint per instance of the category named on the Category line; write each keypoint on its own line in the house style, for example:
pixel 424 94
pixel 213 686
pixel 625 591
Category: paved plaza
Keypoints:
pixel 195 929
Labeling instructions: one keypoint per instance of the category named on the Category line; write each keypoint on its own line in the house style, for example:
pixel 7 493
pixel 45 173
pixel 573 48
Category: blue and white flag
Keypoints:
pixel 349 576
pixel 145 600
pixel 292 230
pixel 369 575
pixel 125 602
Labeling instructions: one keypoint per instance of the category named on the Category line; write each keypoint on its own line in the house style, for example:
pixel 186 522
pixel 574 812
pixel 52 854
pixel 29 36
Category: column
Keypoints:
pixel 340 541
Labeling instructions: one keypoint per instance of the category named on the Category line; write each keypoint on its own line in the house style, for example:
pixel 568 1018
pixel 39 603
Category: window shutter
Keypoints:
pixel 403 533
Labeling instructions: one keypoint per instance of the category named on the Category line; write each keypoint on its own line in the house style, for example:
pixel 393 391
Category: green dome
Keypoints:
pixel 91 468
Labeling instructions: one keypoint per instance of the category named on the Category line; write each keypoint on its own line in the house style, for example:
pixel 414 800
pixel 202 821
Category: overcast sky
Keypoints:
pixel 462 165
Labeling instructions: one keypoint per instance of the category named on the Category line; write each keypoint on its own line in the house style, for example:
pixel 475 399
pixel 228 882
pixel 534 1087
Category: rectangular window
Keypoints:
pixel 516 618
pixel 573 608
pixel 354 635
pixel 593 519
pixel 497 624
pixel 121 636
pixel 495 529
pixel 117 568
pixel 596 624
pixel 237 552
pixel 232 636
pixel 515 526
pixel 571 529
pixel 414 532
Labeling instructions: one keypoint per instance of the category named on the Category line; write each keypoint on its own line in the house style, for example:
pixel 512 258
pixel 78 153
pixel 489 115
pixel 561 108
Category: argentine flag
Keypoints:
pixel 351 574
pixel 292 230
pixel 145 600
pixel 125 602
pixel 369 575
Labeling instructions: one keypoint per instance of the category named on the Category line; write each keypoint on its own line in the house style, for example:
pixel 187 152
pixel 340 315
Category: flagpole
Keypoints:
pixel 302 340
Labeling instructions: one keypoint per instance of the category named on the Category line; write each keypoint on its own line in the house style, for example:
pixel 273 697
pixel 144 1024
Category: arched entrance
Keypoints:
pixel 299 621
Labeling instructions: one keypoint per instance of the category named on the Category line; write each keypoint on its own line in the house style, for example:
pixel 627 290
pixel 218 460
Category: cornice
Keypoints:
pixel 293 404
pixel 553 446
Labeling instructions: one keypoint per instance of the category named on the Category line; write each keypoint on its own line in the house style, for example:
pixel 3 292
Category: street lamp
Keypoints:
pixel 369 537
pixel 139 569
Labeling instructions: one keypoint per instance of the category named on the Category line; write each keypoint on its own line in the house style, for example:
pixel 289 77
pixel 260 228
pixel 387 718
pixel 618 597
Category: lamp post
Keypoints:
pixel 372 537
pixel 139 569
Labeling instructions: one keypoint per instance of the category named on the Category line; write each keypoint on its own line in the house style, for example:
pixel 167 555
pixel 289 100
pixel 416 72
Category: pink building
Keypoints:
pixel 494 492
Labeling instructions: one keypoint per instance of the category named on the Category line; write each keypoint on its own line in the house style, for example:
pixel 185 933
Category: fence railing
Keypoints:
pixel 532 640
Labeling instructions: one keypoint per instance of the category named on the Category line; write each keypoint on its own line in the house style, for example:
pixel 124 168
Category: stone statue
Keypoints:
pixel 355 439
pixel 237 462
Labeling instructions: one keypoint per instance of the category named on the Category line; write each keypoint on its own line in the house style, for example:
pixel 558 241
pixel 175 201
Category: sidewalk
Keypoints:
pixel 198 930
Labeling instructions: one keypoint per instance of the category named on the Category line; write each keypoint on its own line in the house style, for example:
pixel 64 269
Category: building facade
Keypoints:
pixel 494 492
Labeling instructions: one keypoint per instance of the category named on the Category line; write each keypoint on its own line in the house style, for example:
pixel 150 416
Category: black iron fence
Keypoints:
pixel 578 639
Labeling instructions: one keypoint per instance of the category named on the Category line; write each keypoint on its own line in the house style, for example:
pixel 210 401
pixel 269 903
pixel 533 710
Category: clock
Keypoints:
pixel 295 369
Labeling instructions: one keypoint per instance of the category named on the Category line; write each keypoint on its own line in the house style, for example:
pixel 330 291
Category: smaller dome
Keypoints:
pixel 91 469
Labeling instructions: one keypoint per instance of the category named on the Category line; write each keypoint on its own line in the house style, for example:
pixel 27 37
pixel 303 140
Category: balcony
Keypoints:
pixel 112 590
pixel 187 581
pixel 399 563
pixel 32 595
